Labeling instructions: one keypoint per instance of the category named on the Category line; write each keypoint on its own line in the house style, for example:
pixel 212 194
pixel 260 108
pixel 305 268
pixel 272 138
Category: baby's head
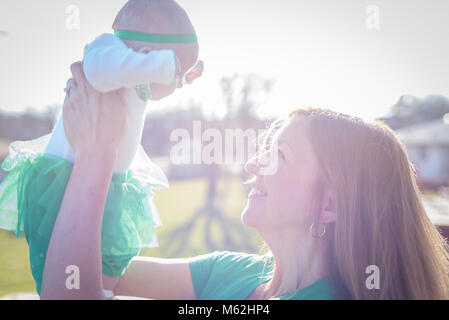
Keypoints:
pixel 159 17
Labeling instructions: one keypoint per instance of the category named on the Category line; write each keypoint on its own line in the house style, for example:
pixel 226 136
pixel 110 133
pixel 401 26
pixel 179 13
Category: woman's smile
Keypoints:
pixel 256 193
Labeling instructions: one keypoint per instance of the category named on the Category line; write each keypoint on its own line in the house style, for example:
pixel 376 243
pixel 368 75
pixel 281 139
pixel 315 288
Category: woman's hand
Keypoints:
pixel 93 122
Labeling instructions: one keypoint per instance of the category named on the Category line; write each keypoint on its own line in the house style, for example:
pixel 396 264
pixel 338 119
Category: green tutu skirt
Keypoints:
pixel 32 192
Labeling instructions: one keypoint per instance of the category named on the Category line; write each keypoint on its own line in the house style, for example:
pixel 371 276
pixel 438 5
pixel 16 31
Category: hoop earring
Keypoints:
pixel 319 235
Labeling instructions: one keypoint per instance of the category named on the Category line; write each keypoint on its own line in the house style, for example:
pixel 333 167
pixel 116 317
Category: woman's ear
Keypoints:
pixel 329 209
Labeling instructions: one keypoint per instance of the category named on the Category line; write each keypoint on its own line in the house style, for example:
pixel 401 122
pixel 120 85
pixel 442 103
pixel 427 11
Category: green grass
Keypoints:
pixel 15 273
pixel 176 205
pixel 182 200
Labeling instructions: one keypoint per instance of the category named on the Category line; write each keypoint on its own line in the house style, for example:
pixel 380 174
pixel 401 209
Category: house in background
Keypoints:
pixel 427 146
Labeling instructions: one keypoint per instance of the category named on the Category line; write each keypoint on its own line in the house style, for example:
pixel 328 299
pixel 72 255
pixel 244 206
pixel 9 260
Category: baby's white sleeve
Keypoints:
pixel 109 65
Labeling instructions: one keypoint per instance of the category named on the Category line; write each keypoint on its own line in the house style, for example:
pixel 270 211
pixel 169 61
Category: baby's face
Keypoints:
pixel 188 57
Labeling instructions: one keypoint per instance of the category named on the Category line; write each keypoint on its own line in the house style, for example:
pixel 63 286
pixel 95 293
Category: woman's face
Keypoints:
pixel 283 198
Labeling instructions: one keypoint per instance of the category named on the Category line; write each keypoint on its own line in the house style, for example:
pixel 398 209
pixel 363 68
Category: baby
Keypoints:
pixel 153 51
pixel 144 63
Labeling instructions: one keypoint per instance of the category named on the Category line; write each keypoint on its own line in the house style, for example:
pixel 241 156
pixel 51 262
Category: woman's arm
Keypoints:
pixel 155 278
pixel 76 238
pixel 94 124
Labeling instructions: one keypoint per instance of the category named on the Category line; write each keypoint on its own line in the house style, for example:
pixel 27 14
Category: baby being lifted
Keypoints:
pixel 153 51
pixel 150 62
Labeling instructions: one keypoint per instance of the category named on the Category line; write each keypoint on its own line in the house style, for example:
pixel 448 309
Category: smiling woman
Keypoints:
pixel 343 198
pixel 365 193
pixel 332 195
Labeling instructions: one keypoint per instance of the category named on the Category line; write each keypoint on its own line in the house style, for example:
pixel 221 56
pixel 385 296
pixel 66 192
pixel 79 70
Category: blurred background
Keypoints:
pixel 374 59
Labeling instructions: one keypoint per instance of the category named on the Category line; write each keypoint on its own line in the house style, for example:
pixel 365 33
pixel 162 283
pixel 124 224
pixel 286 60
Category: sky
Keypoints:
pixel 340 55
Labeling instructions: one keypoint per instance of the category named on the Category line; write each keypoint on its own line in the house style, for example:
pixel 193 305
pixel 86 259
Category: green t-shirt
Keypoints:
pixel 225 275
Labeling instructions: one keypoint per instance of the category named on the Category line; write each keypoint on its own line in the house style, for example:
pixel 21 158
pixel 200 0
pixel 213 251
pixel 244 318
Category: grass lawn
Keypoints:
pixel 176 205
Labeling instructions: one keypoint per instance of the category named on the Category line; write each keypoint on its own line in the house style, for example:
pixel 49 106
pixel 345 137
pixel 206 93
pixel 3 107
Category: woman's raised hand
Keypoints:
pixel 93 122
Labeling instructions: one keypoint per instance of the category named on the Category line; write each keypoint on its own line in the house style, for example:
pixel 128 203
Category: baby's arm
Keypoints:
pixel 109 65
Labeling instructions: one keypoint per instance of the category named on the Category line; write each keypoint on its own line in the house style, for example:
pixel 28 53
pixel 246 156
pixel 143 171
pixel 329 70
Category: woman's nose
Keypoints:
pixel 262 164
pixel 251 166
pixel 254 164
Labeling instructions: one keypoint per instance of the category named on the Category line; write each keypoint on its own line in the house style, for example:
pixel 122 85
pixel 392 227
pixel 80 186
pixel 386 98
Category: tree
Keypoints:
pixel 410 110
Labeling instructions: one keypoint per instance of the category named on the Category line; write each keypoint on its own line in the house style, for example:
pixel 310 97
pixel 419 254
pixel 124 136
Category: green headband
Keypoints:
pixel 153 37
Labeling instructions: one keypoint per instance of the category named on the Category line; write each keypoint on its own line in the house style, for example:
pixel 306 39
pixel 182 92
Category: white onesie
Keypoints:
pixel 110 65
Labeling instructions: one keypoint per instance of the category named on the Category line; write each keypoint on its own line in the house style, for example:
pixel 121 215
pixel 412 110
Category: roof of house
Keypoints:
pixel 429 133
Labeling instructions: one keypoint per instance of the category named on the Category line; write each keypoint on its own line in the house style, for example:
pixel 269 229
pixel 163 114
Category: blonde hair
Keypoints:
pixel 380 217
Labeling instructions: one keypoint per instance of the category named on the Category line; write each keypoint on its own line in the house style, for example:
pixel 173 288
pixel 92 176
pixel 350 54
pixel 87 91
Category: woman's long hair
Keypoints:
pixel 380 217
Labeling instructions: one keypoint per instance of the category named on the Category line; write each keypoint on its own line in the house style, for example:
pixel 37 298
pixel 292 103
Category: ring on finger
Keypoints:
pixel 68 86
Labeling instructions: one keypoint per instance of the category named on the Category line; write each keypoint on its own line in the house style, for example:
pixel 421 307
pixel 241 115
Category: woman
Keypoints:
pixel 342 201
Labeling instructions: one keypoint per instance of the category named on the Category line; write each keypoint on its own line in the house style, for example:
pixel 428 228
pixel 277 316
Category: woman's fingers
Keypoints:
pixel 75 83
pixel 69 118
pixel 85 97
pixel 71 98
pixel 92 120
pixel 77 72
pixel 79 78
